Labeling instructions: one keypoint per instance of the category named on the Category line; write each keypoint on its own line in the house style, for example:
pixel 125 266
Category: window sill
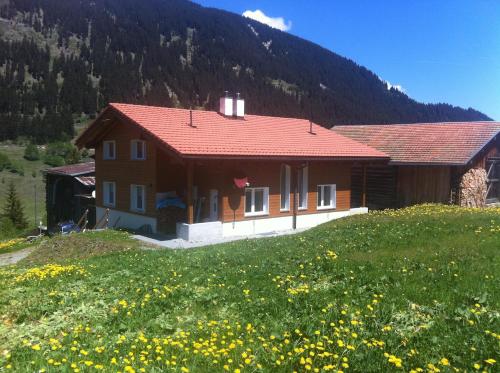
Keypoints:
pixel 319 208
pixel 302 208
pixel 285 210
pixel 137 211
pixel 253 214
pixel 108 204
pixel 137 159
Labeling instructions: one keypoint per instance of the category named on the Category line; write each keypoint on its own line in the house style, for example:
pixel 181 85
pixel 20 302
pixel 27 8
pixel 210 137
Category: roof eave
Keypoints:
pixel 284 157
pixel 403 163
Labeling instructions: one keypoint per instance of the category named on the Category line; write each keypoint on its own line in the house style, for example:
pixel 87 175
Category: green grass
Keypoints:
pixel 392 291
pixel 26 184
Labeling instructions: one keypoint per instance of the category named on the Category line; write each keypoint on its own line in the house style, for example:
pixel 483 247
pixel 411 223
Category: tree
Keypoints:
pixel 13 209
pixel 31 152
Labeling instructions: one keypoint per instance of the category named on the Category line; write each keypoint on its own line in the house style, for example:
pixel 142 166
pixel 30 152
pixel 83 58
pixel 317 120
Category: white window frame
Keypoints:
pixel 304 188
pixel 265 202
pixel 285 188
pixel 133 198
pixel 105 193
pixel 133 151
pixel 105 150
pixel 332 204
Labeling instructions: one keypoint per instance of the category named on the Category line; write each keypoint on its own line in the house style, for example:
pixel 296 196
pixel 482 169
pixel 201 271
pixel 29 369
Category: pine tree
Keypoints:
pixel 13 209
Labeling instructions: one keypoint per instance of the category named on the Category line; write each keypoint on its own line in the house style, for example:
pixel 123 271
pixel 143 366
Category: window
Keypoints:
pixel 138 198
pixel 303 187
pixel 109 193
pixel 256 201
pixel 138 149
pixel 327 196
pixel 109 150
pixel 285 187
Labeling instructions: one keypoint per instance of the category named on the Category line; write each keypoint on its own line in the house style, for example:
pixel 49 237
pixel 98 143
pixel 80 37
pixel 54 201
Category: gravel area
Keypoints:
pixel 16 256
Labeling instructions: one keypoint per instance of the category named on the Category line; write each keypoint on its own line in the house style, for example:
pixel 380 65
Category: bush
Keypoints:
pixel 7 228
pixel 61 151
pixel 54 160
pixel 16 168
pixel 31 152
pixel 4 161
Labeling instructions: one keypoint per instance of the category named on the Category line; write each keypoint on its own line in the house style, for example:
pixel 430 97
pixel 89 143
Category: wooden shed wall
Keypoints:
pixel 381 182
pixel 420 184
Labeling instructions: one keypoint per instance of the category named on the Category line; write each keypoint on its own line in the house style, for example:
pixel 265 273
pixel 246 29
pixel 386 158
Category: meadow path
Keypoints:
pixel 13 258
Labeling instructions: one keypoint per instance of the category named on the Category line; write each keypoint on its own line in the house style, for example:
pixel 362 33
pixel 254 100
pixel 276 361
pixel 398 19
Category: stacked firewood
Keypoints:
pixel 473 188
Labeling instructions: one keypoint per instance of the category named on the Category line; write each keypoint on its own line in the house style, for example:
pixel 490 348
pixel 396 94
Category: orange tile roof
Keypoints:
pixel 425 143
pixel 214 135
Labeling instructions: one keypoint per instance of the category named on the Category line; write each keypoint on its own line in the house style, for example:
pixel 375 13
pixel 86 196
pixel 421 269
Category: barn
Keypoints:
pixel 429 162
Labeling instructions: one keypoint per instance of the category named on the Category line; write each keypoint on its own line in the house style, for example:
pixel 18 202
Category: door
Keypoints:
pixel 214 205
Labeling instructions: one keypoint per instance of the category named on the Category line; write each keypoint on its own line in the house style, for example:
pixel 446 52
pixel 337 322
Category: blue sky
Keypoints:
pixel 436 50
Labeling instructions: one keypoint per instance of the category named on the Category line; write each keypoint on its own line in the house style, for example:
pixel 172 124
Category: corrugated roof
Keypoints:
pixel 73 169
pixel 425 143
pixel 214 135
pixel 86 180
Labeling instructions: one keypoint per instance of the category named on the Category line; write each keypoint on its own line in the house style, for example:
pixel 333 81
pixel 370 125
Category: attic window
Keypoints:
pixel 109 150
pixel 138 149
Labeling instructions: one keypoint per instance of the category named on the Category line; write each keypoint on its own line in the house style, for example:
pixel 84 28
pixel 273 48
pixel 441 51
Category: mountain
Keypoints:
pixel 65 60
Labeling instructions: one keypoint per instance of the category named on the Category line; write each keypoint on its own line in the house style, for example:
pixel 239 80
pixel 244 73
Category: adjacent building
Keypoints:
pixel 429 162
pixel 69 193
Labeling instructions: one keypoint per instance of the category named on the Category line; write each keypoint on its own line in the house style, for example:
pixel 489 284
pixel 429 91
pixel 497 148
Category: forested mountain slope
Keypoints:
pixel 65 59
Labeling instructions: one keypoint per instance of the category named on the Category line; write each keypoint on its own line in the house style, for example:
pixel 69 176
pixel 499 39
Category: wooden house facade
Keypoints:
pixel 202 174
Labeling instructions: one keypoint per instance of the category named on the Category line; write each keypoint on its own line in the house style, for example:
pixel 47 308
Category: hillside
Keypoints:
pixel 65 60
pixel 412 290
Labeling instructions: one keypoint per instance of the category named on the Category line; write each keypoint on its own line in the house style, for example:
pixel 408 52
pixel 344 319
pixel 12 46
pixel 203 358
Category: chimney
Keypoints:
pixel 239 107
pixel 226 105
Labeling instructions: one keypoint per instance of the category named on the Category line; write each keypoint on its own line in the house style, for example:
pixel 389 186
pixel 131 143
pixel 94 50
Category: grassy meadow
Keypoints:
pixel 412 290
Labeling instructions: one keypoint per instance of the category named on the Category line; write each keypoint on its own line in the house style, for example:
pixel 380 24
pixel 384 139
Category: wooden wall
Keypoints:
pixel 399 186
pixel 161 172
pixel 381 183
pixel 420 184
pixel 124 171
pixel 267 174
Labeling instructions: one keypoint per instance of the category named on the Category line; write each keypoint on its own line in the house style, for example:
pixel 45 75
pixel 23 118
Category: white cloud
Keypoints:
pixel 389 85
pixel 274 22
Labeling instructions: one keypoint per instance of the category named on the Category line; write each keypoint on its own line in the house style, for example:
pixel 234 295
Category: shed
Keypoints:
pixel 70 192
pixel 428 163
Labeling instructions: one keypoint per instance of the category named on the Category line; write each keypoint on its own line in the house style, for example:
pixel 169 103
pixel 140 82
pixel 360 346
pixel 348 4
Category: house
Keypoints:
pixel 430 162
pixel 203 174
pixel 69 193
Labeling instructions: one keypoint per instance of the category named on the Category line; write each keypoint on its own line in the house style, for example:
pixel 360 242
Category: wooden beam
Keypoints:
pixel 189 182
pixel 363 196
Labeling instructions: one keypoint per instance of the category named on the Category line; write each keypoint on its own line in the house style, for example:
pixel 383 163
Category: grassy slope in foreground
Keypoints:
pixel 397 290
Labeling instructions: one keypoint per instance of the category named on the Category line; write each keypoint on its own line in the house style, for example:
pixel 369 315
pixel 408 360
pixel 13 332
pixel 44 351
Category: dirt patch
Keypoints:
pixel 79 246
pixel 14 257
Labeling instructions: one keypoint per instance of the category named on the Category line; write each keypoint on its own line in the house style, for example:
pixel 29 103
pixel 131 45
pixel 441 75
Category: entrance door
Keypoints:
pixel 214 205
